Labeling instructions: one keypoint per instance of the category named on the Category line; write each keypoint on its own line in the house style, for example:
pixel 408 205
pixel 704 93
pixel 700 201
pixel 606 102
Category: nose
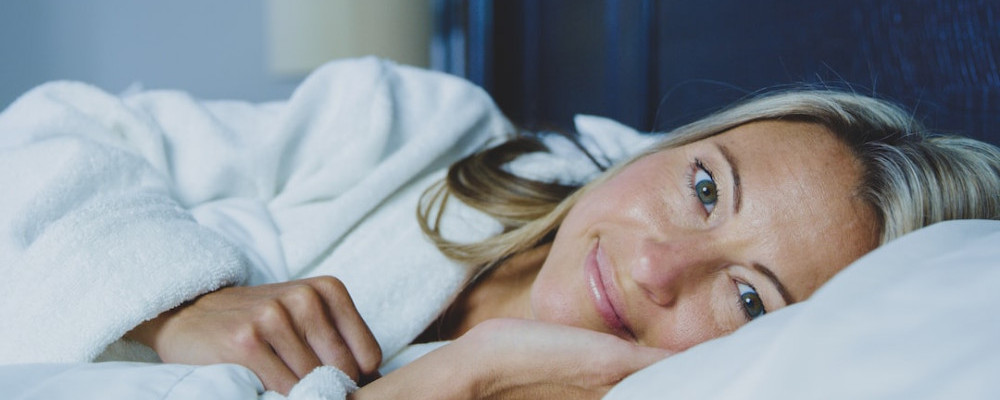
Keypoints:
pixel 663 269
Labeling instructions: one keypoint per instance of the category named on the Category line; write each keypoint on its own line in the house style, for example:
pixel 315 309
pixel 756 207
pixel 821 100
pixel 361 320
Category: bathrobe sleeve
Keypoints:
pixel 117 208
pixel 93 239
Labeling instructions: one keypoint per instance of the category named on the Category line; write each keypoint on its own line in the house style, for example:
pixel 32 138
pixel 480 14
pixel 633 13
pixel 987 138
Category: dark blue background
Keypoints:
pixel 657 64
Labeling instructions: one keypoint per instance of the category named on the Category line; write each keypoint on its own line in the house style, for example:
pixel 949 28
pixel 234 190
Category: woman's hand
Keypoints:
pixel 281 331
pixel 531 359
pixel 518 359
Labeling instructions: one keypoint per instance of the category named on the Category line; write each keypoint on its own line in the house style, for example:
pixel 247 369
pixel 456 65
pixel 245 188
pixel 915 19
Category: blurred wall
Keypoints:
pixel 211 48
pixel 303 34
pixel 655 64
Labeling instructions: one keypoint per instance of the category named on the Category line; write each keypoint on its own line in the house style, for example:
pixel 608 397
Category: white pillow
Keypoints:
pixel 916 318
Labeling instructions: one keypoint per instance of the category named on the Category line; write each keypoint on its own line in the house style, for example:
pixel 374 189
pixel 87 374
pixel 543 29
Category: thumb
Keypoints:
pixel 628 362
pixel 644 356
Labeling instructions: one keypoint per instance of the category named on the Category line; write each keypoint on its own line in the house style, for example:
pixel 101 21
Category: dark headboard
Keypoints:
pixel 656 64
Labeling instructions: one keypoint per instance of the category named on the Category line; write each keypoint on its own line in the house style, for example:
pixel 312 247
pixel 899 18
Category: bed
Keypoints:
pixel 909 320
pixel 902 330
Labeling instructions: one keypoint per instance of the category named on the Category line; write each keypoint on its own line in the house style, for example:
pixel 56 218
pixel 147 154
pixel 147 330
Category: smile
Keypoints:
pixel 603 292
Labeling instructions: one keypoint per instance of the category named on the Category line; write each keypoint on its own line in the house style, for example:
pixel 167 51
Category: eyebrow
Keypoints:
pixel 734 170
pixel 785 295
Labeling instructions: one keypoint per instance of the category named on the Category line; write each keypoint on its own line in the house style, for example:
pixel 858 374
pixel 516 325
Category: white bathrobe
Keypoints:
pixel 117 208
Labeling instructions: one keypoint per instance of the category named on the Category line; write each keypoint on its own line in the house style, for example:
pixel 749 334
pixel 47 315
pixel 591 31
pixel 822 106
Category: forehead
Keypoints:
pixel 799 203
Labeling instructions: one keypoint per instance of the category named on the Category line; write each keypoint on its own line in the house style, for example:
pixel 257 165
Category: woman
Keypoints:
pixel 125 205
pixel 727 219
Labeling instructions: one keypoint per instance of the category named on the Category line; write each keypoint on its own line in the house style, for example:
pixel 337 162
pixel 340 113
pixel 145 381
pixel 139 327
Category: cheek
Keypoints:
pixel 687 329
pixel 559 293
pixel 552 298
pixel 640 178
pixel 704 313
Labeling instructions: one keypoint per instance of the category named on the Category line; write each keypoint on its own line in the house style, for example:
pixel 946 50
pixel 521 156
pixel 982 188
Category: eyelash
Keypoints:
pixel 692 173
pixel 698 164
pixel 743 307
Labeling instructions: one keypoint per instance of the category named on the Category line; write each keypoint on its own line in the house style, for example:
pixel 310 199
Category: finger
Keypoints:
pixel 359 339
pixel 315 324
pixel 643 356
pixel 332 350
pixel 372 377
pixel 269 368
pixel 615 365
pixel 280 332
pixel 275 375
pixel 349 325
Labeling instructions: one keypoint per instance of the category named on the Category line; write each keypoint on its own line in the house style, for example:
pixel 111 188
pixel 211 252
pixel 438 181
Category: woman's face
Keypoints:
pixel 690 243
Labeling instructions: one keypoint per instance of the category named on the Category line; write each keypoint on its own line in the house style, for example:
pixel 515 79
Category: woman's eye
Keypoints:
pixel 750 301
pixel 705 189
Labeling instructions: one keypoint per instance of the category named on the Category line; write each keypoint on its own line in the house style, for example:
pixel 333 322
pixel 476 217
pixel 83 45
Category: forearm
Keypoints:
pixel 441 374
pixel 517 359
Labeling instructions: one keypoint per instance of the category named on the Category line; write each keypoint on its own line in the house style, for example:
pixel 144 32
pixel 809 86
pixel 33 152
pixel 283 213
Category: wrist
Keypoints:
pixel 441 374
pixel 148 331
pixel 469 371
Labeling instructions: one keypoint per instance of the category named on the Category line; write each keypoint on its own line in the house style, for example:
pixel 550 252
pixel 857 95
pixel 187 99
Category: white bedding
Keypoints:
pixel 915 319
pixel 231 192
pixel 118 208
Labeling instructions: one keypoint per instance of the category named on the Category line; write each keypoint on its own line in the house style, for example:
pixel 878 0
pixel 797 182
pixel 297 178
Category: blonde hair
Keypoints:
pixel 910 179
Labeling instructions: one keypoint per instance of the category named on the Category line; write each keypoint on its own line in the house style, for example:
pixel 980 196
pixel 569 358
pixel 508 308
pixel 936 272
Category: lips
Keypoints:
pixel 604 293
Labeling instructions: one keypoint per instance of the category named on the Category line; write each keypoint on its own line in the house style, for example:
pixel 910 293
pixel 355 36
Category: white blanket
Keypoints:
pixel 118 208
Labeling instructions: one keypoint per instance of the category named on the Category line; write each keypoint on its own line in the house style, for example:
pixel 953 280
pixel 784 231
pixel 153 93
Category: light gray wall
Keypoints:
pixel 211 48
